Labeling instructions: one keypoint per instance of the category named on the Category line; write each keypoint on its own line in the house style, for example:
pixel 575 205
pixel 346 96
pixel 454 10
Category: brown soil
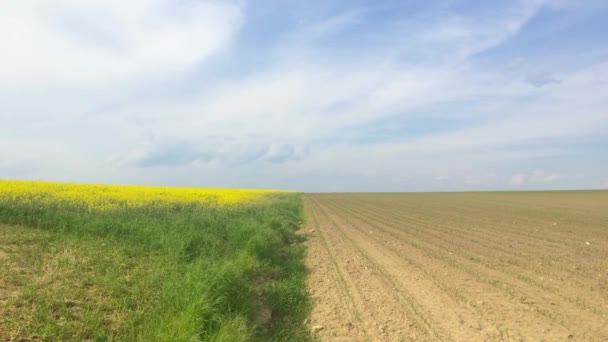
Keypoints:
pixel 459 267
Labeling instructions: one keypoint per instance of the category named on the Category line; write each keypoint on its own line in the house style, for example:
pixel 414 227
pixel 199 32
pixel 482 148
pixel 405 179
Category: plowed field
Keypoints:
pixel 530 266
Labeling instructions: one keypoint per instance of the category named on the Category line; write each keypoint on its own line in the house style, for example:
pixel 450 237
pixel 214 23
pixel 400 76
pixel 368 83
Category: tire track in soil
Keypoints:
pixel 505 250
pixel 442 302
pixel 415 292
pixel 509 273
pixel 382 314
pixel 493 302
pixel 477 318
pixel 334 310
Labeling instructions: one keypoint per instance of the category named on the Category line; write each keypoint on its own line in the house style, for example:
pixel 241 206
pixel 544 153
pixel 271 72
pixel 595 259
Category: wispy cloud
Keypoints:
pixel 94 43
pixel 371 97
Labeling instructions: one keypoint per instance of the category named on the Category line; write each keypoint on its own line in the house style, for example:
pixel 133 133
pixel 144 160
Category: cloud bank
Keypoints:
pixel 326 96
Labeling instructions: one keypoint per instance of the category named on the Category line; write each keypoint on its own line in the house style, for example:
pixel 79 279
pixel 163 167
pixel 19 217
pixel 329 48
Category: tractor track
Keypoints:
pixel 382 271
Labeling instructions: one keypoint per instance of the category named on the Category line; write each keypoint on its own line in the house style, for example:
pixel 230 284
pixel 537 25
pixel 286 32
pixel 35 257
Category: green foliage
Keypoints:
pixel 168 274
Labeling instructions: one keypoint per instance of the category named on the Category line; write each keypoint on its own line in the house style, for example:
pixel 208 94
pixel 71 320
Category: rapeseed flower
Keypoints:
pixel 95 197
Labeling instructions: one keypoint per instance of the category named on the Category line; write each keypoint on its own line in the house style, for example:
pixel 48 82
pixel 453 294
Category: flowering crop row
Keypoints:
pixel 94 197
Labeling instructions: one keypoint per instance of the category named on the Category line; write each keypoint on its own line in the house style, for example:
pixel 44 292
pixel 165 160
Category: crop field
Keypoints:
pixel 127 263
pixel 513 266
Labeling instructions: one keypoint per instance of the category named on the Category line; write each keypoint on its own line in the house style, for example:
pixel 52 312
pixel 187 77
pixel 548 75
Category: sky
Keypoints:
pixel 319 96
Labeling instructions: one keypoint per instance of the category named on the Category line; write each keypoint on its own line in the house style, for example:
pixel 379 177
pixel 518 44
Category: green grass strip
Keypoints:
pixel 186 273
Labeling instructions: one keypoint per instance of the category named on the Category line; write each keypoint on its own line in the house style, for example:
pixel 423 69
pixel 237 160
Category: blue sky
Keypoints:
pixel 309 95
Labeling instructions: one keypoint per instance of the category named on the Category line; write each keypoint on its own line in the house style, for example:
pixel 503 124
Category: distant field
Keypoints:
pixel 529 266
pixel 117 263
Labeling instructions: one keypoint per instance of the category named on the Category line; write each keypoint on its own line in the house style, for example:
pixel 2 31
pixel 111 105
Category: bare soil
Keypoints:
pixel 459 267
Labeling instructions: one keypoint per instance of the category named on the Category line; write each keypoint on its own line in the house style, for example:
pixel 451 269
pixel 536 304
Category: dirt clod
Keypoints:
pixel 317 328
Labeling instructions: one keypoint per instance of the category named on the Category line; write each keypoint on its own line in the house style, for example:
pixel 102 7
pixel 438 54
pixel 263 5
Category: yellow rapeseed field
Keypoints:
pixel 94 197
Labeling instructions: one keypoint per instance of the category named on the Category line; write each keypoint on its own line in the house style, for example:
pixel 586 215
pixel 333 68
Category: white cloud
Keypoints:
pixel 519 179
pixel 93 43
pixel 64 63
pixel 92 99
pixel 535 177
pixel 306 104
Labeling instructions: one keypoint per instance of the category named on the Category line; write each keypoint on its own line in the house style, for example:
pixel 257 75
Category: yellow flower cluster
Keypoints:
pixel 113 197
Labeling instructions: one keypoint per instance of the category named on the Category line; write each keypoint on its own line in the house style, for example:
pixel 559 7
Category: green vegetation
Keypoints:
pixel 178 273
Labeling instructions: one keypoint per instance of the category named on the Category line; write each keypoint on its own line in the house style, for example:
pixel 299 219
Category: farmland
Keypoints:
pixel 459 266
pixel 127 263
